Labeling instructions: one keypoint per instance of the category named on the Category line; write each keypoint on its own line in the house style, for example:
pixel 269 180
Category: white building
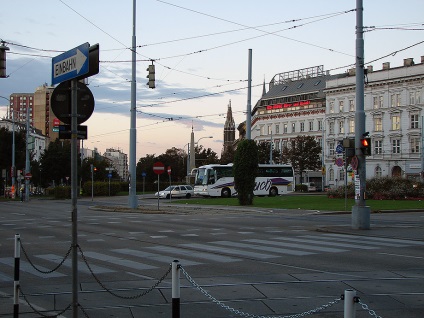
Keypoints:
pixel 393 105
pixel 119 161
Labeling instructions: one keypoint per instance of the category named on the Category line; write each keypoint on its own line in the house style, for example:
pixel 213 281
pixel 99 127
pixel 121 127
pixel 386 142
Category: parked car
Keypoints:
pixel 311 186
pixel 176 191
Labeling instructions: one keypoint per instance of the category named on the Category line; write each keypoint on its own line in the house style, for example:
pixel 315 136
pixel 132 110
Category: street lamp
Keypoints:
pixel 194 153
pixel 13 145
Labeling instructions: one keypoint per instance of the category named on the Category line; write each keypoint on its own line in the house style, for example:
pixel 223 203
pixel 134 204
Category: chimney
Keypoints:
pixel 369 68
pixel 386 65
pixel 352 72
pixel 422 58
pixel 408 62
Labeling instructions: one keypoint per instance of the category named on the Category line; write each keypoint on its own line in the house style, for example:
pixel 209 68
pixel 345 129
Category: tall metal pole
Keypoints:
pixel 74 196
pixel 422 148
pixel 27 165
pixel 13 155
pixel 249 98
pixel 270 149
pixel 360 212
pixel 132 198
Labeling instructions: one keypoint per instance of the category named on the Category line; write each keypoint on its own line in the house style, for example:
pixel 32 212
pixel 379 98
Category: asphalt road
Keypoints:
pixel 256 261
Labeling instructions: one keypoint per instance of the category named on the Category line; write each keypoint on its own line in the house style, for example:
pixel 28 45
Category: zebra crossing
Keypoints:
pixel 144 258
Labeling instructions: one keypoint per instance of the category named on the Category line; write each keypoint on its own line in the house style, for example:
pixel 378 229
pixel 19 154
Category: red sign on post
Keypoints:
pixel 169 170
pixel 158 167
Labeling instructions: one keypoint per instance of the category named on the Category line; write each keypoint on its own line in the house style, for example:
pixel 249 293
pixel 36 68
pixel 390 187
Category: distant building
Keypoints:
pixel 119 161
pixel 20 103
pixel 229 129
pixel 43 116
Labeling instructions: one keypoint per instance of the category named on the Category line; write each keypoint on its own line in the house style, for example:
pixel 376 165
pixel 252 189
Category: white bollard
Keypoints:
pixel 349 303
pixel 16 276
pixel 175 289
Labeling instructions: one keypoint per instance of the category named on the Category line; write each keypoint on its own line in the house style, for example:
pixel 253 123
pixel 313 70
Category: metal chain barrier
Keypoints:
pixel 49 271
pixel 39 312
pixel 119 296
pixel 244 314
pixel 365 307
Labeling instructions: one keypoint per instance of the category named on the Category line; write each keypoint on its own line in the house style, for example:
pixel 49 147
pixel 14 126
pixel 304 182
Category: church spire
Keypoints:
pixel 229 128
pixel 263 89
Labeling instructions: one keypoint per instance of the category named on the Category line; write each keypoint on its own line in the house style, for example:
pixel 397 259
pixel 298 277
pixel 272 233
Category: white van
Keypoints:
pixel 311 186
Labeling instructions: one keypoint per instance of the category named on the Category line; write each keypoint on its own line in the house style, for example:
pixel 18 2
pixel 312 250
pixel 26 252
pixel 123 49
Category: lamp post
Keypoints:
pixel 270 149
pixel 13 145
pixel 194 153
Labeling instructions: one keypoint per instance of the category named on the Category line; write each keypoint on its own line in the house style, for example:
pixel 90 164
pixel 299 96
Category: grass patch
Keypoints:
pixel 309 202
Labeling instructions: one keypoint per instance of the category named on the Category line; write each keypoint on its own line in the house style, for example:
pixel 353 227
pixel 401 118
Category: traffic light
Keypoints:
pixel 366 146
pixel 3 49
pixel 151 76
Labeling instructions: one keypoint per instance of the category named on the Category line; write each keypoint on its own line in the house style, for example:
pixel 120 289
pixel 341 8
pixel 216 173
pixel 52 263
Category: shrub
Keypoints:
pixel 245 168
pixel 384 189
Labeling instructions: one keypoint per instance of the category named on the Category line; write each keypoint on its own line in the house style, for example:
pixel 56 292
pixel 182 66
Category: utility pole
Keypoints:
pixel 27 165
pixel 360 212
pixel 132 198
pixel 249 98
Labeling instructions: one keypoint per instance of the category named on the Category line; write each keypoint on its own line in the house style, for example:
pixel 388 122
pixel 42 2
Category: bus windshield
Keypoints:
pixel 200 176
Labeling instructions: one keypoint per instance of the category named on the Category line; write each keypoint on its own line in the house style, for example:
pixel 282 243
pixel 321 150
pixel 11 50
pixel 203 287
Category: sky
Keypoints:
pixel 200 51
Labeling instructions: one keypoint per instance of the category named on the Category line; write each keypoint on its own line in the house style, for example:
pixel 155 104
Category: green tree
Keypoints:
pixel 245 169
pixel 263 152
pixel 176 159
pixel 55 162
pixel 228 155
pixel 205 156
pixel 303 154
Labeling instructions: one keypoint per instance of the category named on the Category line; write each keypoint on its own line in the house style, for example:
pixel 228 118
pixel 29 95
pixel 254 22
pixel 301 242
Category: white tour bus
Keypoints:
pixel 218 180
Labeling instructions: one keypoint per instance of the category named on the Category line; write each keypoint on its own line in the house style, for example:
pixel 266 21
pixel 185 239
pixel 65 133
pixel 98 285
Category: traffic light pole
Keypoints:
pixel 74 196
pixel 360 212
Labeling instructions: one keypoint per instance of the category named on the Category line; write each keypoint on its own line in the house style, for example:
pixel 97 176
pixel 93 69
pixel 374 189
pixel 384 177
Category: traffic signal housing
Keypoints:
pixel 151 76
pixel 366 146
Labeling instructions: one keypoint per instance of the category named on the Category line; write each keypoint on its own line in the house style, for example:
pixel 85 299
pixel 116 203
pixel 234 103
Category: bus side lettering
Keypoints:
pixel 263 185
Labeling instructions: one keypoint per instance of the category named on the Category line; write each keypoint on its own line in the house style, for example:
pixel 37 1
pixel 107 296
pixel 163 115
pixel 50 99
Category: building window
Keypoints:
pixel 331 128
pixel 378 124
pixel 381 102
pixel 293 127
pixel 302 126
pixel 320 125
pixel 412 98
pixel 277 129
pixel 351 105
pixel 331 107
pixel 332 148
pixel 378 172
pixel 414 121
pixel 417 97
pixel 269 130
pixel 262 130
pixel 351 125
pixel 341 106
pixel 415 145
pixel 395 122
pixel 311 126
pixel 331 175
pixel 375 102
pixel 378 147
pixel 341 175
pixel 341 127
pixel 285 130
pixel 396 146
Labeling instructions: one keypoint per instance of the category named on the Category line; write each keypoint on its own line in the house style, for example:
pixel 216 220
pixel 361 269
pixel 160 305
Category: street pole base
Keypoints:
pixel 361 217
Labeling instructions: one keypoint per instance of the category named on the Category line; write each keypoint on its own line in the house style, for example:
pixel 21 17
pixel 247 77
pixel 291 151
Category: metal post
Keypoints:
pixel 175 289
pixel 27 164
pixel 170 190
pixel 13 155
pixel 132 198
pixel 16 276
pixel 349 303
pixel 74 196
pixel 158 192
pixel 270 149
pixel 92 181
pixel 360 212
pixel 249 97
pixel 422 148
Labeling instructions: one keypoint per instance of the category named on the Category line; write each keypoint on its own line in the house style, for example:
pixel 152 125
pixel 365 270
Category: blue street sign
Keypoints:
pixel 143 174
pixel 109 175
pixel 339 148
pixel 70 64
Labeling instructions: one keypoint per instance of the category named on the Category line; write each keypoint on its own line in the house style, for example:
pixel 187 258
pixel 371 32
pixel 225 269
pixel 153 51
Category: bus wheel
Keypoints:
pixel 225 193
pixel 273 192
pixel 188 195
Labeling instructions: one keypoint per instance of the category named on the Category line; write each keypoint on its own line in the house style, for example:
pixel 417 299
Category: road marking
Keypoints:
pixel 327 243
pixel 384 239
pixel 406 256
pixel 196 254
pixel 220 249
pixel 156 257
pixel 299 246
pixel 264 248
pixel 118 261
